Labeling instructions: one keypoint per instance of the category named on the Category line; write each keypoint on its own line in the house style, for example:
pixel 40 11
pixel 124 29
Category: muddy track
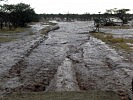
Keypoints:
pixel 16 68
pixel 70 60
pixel 19 66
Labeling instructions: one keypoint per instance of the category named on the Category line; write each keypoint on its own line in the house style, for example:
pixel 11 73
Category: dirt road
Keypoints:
pixel 69 60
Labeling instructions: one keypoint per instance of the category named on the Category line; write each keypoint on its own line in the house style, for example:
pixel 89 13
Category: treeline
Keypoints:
pixel 119 13
pixel 13 16
pixel 67 17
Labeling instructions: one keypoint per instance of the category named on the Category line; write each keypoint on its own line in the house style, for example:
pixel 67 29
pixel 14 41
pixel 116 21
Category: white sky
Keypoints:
pixel 75 6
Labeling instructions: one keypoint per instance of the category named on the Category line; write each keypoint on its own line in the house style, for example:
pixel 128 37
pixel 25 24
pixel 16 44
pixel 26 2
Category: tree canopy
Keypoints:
pixel 16 15
pixel 120 13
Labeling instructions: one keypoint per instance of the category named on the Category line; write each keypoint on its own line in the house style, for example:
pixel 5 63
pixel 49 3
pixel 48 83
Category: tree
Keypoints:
pixel 24 14
pixel 16 15
pixel 97 22
pixel 122 14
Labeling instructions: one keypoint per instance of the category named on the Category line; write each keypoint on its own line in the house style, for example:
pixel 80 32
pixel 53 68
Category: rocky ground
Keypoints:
pixel 69 59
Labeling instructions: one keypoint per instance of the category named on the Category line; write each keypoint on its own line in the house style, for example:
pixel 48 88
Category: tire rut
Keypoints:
pixel 15 72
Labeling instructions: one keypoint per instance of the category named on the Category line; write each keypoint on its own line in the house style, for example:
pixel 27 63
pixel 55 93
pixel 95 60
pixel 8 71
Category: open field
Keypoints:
pixel 90 95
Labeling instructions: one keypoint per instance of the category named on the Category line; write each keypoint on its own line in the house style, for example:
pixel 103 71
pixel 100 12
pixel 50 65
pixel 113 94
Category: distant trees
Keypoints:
pixel 122 14
pixel 113 17
pixel 18 15
pixel 67 17
pixel 119 13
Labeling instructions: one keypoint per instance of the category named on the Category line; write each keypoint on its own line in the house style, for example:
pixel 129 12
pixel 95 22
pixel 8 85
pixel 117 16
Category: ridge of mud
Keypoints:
pixel 16 69
pixel 65 78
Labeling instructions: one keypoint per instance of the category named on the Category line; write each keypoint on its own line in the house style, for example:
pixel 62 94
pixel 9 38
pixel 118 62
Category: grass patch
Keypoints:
pixel 6 39
pixel 17 30
pixel 118 43
pixel 124 46
pixel 92 95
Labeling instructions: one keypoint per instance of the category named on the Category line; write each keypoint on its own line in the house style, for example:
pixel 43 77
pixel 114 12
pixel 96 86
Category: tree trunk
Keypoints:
pixel 1 25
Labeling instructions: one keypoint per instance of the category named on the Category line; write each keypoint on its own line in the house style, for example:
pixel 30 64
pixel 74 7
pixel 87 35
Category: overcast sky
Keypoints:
pixel 75 6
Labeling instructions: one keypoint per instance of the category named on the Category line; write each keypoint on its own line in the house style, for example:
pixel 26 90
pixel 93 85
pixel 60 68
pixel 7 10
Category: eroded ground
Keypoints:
pixel 68 60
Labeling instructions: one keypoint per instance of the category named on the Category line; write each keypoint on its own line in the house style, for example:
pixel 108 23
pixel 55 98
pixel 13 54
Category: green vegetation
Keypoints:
pixel 91 95
pixel 16 30
pixel 113 18
pixel 124 46
pixel 13 16
pixel 120 13
pixel 6 39
pixel 118 43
